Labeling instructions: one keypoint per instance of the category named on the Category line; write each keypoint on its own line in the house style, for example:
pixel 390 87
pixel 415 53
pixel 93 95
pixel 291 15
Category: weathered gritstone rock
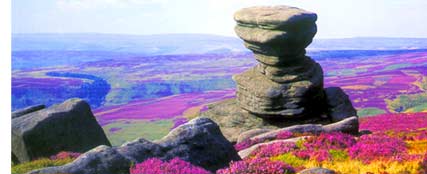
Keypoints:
pixel 286 87
pixel 286 82
pixel 69 126
pixel 199 142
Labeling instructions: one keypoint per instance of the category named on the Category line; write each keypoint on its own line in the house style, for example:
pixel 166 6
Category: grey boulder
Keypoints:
pixel 69 126
pixel 339 104
pixel 317 170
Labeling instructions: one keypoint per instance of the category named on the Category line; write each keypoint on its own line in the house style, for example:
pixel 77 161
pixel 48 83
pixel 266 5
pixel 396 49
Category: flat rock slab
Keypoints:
pixel 233 120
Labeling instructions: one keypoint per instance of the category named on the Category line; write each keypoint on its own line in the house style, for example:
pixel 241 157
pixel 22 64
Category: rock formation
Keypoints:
pixel 285 83
pixel 199 142
pixel 286 86
pixel 69 126
pixel 27 110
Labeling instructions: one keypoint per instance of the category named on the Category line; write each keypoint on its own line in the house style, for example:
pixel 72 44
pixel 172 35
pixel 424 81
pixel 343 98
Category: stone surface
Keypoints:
pixel 199 142
pixel 69 126
pixel 286 83
pixel 317 170
pixel 251 133
pixel 27 110
pixel 286 87
pixel 349 125
pixel 267 98
pixel 233 120
pixel 339 104
pixel 274 17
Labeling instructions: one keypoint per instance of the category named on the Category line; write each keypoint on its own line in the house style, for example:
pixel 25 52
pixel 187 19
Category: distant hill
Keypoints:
pixel 369 43
pixel 166 44
pixel 175 44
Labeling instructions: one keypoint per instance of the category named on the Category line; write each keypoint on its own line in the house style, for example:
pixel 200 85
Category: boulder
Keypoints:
pixel 349 125
pixel 27 110
pixel 339 104
pixel 69 126
pixel 317 170
pixel 199 142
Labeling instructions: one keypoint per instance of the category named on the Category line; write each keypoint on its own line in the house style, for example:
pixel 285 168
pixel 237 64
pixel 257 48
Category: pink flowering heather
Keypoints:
pixel 318 147
pixel 247 143
pixel 257 166
pixel 395 122
pixel 65 155
pixel 328 141
pixel 284 135
pixel 318 155
pixel 372 147
pixel 174 166
pixel 274 149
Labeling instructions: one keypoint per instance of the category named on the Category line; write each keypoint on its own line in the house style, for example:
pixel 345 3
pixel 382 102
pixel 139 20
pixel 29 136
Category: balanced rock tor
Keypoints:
pixel 287 83
pixel 286 86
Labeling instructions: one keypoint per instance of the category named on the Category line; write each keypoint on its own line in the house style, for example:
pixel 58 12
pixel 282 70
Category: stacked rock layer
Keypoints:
pixel 285 83
pixel 286 87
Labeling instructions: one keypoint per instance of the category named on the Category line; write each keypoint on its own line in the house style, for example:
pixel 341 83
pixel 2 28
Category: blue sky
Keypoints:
pixel 337 18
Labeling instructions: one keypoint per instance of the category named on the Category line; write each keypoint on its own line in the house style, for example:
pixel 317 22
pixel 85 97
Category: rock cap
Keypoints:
pixel 274 17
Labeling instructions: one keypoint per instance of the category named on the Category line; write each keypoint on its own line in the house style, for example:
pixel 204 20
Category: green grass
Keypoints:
pixel 338 155
pixel 38 164
pixel 408 103
pixel 397 66
pixel 133 129
pixel 290 159
pixel 370 111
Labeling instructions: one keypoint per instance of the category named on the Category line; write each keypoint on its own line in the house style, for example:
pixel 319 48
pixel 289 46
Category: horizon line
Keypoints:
pixel 158 34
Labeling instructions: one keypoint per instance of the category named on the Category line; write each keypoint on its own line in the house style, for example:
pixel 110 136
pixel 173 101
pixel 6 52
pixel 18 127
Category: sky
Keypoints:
pixel 336 18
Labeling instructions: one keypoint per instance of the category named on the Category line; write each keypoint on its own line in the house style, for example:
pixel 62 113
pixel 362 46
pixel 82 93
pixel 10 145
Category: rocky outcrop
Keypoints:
pixel 348 125
pixel 199 142
pixel 288 83
pixel 234 120
pixel 286 87
pixel 69 126
pixel 27 110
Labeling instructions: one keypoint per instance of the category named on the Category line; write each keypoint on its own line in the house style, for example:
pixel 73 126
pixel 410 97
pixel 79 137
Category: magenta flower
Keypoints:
pixel 328 141
pixel 372 147
pixel 65 155
pixel 257 166
pixel 284 135
pixel 246 144
pixel 174 166
pixel 274 149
